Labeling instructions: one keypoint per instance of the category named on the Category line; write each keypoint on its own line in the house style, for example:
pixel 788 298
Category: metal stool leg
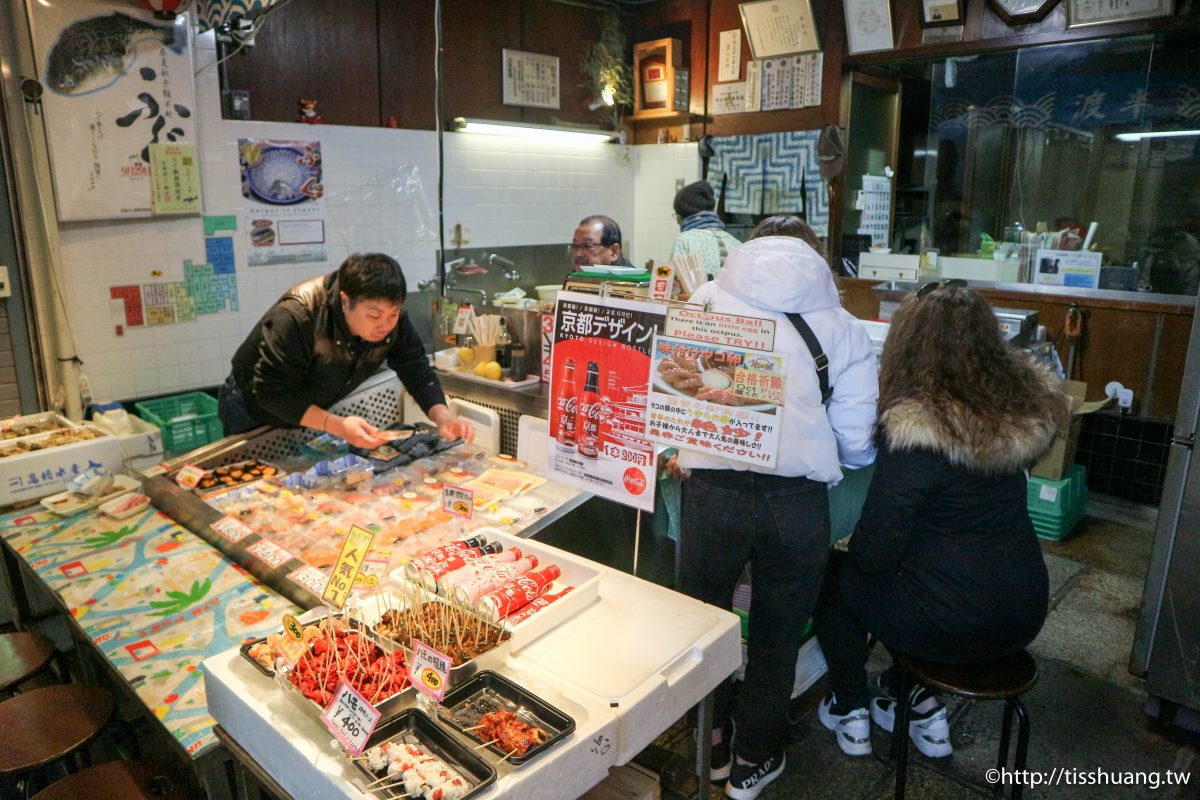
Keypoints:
pixel 1005 737
pixel 1022 741
pixel 900 731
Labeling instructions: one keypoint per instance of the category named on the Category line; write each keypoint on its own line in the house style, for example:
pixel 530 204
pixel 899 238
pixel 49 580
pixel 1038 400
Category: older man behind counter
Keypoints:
pixel 322 339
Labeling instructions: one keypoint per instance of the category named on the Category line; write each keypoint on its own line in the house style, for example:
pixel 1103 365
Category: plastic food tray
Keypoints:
pixel 489 691
pixel 248 472
pixel 423 443
pixel 492 659
pixel 387 706
pixel 21 426
pixel 67 503
pixel 437 741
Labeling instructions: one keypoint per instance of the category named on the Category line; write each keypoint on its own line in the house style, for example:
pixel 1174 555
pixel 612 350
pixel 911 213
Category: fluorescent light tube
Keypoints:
pixel 527 131
pixel 1138 136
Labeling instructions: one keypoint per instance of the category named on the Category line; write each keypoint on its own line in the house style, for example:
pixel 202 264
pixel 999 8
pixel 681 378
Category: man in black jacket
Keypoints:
pixel 322 339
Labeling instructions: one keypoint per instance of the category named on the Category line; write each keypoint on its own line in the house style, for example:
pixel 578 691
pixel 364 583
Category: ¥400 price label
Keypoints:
pixel 350 718
pixel 430 670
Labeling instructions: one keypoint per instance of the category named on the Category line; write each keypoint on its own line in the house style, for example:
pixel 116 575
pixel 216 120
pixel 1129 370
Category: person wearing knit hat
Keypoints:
pixel 701 231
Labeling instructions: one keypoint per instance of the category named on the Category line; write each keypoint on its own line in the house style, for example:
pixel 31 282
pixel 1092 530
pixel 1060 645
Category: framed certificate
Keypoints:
pixel 1081 13
pixel 868 25
pixel 941 13
pixel 779 27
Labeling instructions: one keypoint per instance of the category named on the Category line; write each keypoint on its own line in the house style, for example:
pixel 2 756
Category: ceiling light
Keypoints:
pixel 527 131
pixel 1138 136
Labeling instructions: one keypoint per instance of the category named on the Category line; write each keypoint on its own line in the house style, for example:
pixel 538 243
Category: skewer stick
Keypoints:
pixel 485 744
pixel 507 755
pixel 474 727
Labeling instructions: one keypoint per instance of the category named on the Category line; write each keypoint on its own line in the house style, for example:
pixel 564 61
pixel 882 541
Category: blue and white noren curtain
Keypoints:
pixel 212 13
pixel 767 173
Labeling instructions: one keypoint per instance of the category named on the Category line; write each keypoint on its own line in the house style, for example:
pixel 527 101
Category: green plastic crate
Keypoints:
pixel 1053 528
pixel 1059 498
pixel 187 421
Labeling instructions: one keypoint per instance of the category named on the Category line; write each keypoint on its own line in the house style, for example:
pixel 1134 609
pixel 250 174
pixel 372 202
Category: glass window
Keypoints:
pixel 1061 136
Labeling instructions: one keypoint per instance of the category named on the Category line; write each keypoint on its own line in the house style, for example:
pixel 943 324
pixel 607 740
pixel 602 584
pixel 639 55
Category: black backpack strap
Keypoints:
pixel 819 358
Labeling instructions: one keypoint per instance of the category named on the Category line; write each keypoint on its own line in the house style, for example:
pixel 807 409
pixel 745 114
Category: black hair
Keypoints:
pixel 611 233
pixel 372 276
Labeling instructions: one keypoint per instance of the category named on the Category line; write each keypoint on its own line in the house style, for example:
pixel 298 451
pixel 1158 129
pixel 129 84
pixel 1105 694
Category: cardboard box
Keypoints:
pixel 1061 455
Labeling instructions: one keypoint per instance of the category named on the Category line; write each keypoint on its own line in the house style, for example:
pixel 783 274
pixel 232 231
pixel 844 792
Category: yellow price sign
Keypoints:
pixel 292 627
pixel 431 678
pixel 345 570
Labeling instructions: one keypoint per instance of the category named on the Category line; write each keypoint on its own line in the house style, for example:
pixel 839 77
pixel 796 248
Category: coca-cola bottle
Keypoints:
pixel 565 407
pixel 591 407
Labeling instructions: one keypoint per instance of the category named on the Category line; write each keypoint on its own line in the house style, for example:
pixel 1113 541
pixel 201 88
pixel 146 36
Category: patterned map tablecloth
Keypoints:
pixel 154 599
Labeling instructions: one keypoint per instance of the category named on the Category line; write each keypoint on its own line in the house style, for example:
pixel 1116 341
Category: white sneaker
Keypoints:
pixel 930 732
pixel 853 729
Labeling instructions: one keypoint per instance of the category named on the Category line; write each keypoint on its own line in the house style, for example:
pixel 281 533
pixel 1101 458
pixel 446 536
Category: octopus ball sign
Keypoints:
pixel 600 363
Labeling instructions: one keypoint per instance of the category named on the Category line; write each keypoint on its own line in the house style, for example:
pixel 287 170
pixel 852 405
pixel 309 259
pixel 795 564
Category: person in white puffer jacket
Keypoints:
pixel 775 519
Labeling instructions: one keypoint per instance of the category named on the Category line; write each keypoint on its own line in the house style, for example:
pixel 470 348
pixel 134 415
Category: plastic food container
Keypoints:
pixel 489 692
pixel 125 506
pixel 548 293
pixel 414 726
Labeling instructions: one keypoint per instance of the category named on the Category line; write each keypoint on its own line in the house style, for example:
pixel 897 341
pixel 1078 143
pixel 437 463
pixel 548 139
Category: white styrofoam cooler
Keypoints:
pixel 36 474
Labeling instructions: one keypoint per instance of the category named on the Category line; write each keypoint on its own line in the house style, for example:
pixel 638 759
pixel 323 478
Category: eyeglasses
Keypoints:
pixel 589 246
pixel 933 287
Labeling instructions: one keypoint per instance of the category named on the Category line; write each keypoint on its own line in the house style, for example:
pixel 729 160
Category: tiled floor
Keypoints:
pixel 1086 710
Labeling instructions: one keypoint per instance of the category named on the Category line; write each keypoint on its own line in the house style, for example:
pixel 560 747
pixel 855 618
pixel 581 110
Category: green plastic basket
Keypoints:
pixel 187 421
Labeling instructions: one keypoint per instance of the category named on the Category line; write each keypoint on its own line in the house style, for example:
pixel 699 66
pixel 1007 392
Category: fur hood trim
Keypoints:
pixel 967 438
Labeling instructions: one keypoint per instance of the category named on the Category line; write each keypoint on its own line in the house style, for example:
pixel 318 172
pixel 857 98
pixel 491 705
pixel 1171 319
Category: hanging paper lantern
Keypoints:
pixel 163 9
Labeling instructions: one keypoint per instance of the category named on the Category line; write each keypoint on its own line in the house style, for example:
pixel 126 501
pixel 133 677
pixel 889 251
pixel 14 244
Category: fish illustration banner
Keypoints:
pixel 599 363
pixel 116 81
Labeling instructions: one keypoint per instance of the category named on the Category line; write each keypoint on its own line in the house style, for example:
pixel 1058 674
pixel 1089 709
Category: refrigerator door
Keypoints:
pixel 1177 535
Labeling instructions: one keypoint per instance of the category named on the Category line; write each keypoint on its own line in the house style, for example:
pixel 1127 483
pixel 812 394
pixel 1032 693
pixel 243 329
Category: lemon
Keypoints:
pixel 491 370
pixel 466 356
pixel 479 369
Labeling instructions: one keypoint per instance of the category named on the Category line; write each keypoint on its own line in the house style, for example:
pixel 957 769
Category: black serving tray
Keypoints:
pixel 488 691
pixel 423 443
pixel 270 673
pixel 437 741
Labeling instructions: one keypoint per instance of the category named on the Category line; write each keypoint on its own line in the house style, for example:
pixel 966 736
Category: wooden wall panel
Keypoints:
pixel 474 34
pixel 303 51
pixel 564 31
pixel 406 70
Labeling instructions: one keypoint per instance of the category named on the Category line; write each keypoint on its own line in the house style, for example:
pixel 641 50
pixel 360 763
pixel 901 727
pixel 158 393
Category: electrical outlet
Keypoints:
pixel 5 286
pixel 1125 398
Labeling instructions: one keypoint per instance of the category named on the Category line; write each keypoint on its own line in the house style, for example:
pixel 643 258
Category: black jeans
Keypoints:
pixel 844 640
pixel 235 416
pixel 780 526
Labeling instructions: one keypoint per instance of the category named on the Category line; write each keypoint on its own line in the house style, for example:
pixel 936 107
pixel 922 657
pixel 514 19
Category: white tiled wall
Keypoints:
pixel 502 191
pixel 659 167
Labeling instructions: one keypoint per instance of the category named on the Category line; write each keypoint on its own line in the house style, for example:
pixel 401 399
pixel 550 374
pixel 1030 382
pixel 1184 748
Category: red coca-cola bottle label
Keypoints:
pixel 565 407
pixel 591 408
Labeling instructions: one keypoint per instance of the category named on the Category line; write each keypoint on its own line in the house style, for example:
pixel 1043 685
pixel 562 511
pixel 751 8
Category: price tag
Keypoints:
pixel 430 670
pixel 458 501
pixel 310 578
pixel 157 469
pixel 269 553
pixel 232 529
pixel 463 322
pixel 1048 493
pixel 292 643
pixel 354 552
pixel 189 475
pixel 350 718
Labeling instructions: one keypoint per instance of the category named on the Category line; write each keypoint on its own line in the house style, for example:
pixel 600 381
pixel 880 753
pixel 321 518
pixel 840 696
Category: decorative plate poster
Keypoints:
pixel 286 213
pixel 116 81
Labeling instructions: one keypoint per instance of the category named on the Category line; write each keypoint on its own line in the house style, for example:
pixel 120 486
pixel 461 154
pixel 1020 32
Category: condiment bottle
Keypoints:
pixel 504 345
pixel 518 362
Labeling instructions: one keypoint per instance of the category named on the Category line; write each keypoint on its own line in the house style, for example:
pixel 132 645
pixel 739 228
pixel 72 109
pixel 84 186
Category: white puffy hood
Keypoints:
pixel 781 274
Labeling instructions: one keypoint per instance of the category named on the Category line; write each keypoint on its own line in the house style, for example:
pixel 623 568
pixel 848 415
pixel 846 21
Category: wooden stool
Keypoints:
pixel 22 655
pixel 47 725
pixel 128 780
pixel 1004 679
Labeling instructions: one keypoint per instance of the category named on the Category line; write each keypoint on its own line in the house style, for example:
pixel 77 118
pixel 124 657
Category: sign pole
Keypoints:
pixel 637 540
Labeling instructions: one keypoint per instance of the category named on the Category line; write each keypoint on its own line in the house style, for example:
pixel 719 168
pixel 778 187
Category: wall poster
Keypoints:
pixel 716 387
pixel 116 81
pixel 286 213
pixel 598 378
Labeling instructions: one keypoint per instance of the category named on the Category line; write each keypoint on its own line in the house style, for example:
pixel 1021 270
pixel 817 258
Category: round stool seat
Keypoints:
pixel 998 679
pixel 47 724
pixel 132 780
pixel 22 655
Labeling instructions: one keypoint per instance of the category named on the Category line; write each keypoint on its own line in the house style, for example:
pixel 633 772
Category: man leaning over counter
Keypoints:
pixel 322 339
